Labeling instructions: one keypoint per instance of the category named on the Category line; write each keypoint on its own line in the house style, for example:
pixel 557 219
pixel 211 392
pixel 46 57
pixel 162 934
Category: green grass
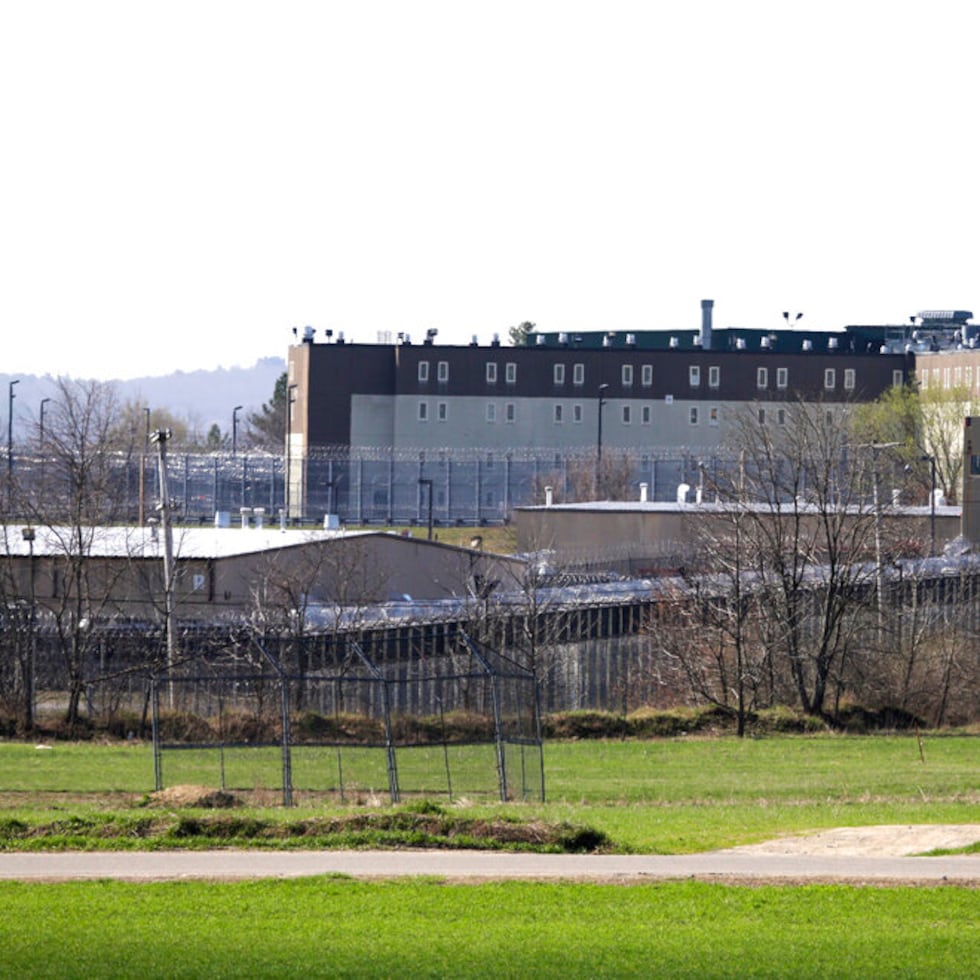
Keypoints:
pixel 658 796
pixel 426 928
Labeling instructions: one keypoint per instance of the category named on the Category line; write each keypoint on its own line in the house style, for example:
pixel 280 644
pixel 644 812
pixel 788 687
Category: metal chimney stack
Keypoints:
pixel 706 307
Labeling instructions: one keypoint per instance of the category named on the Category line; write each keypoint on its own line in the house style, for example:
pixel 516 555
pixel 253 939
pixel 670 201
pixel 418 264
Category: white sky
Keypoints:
pixel 181 183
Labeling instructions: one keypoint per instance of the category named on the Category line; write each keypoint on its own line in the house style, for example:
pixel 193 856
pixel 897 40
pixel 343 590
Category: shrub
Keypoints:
pixel 585 724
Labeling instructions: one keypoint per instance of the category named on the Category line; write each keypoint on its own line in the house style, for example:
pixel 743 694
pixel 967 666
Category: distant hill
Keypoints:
pixel 201 397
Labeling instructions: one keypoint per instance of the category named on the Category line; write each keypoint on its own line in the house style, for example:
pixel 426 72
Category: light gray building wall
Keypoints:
pixel 433 422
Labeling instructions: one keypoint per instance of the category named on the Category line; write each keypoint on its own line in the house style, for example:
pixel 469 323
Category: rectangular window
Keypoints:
pixel 510 373
pixel 423 370
pixel 559 374
pixel 510 412
pixel 491 412
pixel 423 411
pixel 762 416
pixel 557 415
pixel 578 374
pixel 627 415
pixel 713 415
pixel 781 416
pixel 782 377
pixel 898 380
pixel 645 415
pixel 762 378
pixel 443 371
pixel 646 375
pixel 849 379
pixel 830 378
pixel 491 372
pixel 714 376
pixel 693 415
pixel 694 376
pixel 442 411
pixel 627 375
pixel 576 413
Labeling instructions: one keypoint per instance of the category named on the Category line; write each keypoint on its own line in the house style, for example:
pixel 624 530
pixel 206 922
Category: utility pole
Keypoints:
pixel 160 437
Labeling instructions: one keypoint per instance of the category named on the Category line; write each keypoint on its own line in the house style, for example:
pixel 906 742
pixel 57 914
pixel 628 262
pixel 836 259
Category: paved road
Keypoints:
pixel 482 865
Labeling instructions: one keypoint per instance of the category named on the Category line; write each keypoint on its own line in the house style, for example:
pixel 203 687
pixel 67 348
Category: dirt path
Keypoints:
pixel 881 841
pixel 865 855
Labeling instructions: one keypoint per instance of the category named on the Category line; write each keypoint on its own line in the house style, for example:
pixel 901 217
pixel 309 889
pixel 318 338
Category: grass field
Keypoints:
pixel 659 796
pixel 343 928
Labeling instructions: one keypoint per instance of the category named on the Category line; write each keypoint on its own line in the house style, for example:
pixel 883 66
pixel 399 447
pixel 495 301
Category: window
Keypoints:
pixel 782 377
pixel 491 372
pixel 576 413
pixel 694 375
pixel 781 416
pixel 830 378
pixel 898 380
pixel 762 416
pixel 645 415
pixel 423 370
pixel 442 411
pixel 646 375
pixel 627 375
pixel 693 415
pixel 510 412
pixel 423 411
pixel 578 374
pixel 443 371
pixel 714 376
pixel 762 378
pixel 557 415
pixel 559 374
pixel 713 415
pixel 627 415
pixel 491 412
pixel 510 373
pixel 849 378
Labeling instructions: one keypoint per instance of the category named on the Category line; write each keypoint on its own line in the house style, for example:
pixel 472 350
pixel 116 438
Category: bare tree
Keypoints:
pixel 77 499
pixel 796 545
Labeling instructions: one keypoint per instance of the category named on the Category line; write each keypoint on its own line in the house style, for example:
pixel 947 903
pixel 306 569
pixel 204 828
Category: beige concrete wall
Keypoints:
pixel 656 539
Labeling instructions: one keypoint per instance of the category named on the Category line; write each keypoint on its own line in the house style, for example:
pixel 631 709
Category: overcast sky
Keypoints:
pixel 184 182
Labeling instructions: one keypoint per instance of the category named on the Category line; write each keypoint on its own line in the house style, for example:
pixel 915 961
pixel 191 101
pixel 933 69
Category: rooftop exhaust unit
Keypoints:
pixel 707 306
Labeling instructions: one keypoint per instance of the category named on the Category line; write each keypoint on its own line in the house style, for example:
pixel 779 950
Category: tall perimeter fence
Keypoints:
pixel 370 487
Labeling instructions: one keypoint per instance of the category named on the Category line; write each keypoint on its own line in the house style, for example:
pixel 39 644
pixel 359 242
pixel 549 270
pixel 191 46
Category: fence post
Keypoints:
pixel 155 728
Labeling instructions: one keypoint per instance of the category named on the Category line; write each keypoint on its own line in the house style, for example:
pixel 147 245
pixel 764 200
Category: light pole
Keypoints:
pixel 29 534
pixel 932 502
pixel 289 444
pixel 10 438
pixel 143 458
pixel 234 430
pixel 428 483
pixel 598 443
pixel 44 402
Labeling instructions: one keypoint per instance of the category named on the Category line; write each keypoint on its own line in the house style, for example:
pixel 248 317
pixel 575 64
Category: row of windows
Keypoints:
pixel 961 376
pixel 560 413
pixel 646 375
